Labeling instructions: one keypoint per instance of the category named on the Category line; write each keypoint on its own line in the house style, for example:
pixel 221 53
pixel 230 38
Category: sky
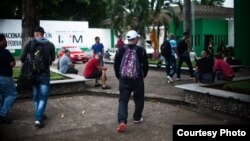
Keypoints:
pixel 229 3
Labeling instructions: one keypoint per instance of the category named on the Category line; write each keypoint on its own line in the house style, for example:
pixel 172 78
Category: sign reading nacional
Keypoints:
pixel 61 33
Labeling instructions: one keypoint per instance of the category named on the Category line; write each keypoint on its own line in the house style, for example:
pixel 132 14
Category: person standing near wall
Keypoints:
pixel 98 49
pixel 8 92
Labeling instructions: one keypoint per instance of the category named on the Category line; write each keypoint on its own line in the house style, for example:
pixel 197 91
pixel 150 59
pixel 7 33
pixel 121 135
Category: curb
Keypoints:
pixel 148 97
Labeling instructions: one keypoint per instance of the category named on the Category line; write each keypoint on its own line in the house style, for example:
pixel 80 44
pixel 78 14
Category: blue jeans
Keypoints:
pixel 170 65
pixel 126 87
pixel 40 92
pixel 8 95
pixel 189 64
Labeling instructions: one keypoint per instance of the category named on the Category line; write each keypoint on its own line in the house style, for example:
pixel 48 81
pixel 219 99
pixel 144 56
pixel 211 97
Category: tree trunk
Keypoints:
pixel 187 16
pixel 30 19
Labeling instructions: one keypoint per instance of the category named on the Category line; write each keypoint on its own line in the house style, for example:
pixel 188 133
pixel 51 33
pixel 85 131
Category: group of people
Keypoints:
pixel 207 68
pixel 131 67
pixel 94 68
pixel 179 53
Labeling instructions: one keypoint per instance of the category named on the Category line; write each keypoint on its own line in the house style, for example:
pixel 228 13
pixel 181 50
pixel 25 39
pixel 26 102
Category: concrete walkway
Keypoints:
pixel 93 118
pixel 78 117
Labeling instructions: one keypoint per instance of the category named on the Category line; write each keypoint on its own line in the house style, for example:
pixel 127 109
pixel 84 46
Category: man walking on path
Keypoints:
pixel 7 86
pixel 131 67
pixel 170 60
pixel 183 55
pixel 41 78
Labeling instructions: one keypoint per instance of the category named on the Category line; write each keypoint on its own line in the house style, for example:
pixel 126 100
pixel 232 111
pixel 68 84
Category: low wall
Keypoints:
pixel 227 105
pixel 74 84
pixel 59 89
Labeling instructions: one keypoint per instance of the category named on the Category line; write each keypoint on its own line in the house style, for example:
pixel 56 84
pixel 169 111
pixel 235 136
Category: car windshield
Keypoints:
pixel 74 49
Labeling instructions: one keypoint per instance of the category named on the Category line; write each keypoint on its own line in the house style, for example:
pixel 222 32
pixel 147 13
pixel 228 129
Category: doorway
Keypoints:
pixel 209 38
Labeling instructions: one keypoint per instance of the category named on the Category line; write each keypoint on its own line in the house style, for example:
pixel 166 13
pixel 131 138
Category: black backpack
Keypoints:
pixel 166 49
pixel 25 79
pixel 38 59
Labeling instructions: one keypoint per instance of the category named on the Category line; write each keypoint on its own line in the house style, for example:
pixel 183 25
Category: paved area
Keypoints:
pixel 93 118
pixel 155 83
pixel 83 117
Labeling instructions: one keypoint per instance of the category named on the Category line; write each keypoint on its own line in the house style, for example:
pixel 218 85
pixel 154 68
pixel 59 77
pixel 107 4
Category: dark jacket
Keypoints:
pixel 182 47
pixel 49 50
pixel 142 56
pixel 5 59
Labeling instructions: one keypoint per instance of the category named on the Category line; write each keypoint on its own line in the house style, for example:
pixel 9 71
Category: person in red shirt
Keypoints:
pixel 119 42
pixel 93 69
pixel 222 69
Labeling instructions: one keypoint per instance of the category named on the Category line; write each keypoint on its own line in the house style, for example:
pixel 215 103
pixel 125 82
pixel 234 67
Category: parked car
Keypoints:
pixel 149 50
pixel 76 54
pixel 88 53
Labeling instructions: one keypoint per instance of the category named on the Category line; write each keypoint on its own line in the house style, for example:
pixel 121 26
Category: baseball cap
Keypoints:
pixel 132 34
pixel 39 29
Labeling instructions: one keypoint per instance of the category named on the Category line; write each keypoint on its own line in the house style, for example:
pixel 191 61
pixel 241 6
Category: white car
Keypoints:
pixel 109 54
pixel 149 50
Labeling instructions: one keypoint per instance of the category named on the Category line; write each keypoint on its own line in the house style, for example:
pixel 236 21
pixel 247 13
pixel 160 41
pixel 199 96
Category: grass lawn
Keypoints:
pixel 240 86
pixel 53 76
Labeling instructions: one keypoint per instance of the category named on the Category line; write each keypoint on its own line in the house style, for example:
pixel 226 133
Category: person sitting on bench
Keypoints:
pixel 65 64
pixel 222 69
pixel 93 69
pixel 204 69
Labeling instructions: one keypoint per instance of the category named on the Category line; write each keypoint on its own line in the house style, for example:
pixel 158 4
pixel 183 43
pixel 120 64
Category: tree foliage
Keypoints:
pixel 130 14
pixel 80 10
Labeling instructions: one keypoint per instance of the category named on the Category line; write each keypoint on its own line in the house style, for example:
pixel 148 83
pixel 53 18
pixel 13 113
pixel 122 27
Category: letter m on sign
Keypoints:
pixel 77 40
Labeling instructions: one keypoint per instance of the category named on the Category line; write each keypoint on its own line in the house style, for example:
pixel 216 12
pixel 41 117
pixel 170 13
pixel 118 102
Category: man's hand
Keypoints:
pixel 12 64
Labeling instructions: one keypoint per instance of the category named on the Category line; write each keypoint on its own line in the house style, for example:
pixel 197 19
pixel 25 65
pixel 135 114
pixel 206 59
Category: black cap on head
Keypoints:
pixel 39 29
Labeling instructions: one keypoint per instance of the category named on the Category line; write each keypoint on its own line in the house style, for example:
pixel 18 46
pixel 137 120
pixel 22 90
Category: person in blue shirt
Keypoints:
pixel 171 60
pixel 98 49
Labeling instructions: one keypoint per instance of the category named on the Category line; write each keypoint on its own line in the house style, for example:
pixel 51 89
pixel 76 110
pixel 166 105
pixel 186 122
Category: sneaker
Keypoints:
pixel 138 121
pixel 39 124
pixel 178 79
pixel 5 120
pixel 121 127
pixel 169 79
pixel 106 87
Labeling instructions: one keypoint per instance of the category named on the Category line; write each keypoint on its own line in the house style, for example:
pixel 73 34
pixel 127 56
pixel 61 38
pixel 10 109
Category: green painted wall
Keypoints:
pixel 241 31
pixel 217 28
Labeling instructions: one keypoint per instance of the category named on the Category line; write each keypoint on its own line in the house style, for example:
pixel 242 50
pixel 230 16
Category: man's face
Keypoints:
pixel 134 41
pixel 68 53
pixel 97 40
